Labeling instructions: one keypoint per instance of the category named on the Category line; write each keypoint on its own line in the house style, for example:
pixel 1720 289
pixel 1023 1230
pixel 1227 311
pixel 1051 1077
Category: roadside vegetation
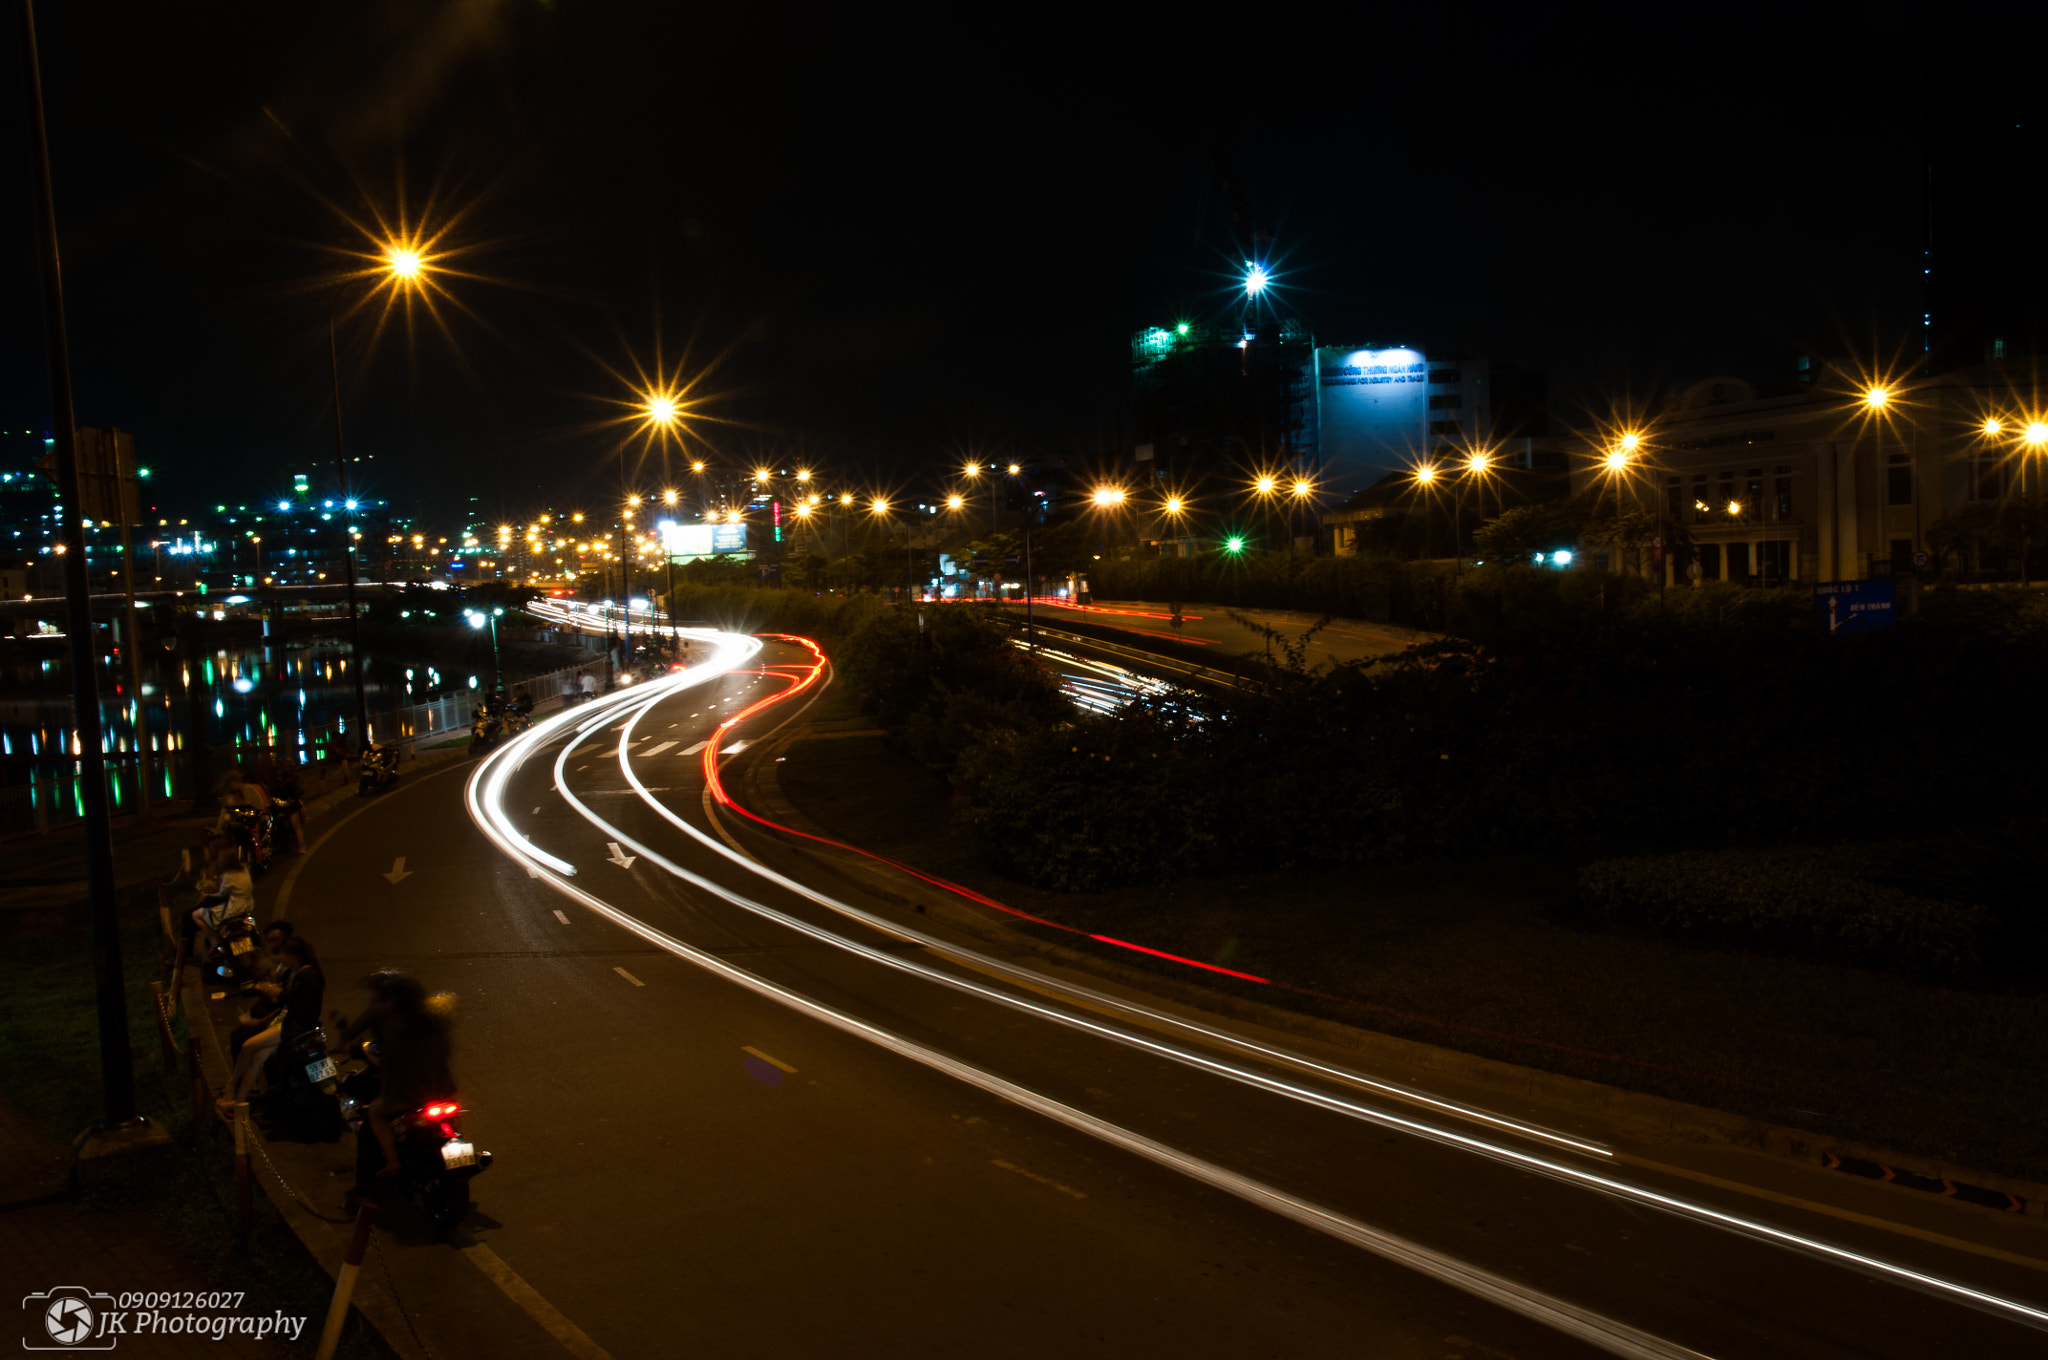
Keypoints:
pixel 1633 839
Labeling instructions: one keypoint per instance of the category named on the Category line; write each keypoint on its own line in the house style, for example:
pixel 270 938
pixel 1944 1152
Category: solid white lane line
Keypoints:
pixel 629 977
pixel 1617 1338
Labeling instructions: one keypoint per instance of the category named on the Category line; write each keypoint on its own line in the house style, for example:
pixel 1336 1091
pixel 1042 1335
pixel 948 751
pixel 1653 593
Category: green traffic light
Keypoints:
pixel 1233 545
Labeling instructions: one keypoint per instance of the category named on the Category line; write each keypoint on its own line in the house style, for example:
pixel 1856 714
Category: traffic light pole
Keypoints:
pixel 117 1066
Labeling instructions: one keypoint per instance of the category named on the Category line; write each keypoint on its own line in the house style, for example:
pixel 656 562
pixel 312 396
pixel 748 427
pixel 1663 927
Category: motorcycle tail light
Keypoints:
pixel 447 1130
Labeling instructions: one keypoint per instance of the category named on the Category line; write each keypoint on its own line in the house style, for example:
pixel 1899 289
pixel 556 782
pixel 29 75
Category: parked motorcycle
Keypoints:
pixel 436 1162
pixel 250 830
pixel 378 769
pixel 231 962
pixel 487 726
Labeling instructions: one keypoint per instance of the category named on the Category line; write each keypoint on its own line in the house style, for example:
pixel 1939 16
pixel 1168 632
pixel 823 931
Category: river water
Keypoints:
pixel 295 695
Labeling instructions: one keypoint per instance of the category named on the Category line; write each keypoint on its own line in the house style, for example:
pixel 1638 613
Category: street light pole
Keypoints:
pixel 348 551
pixel 117 1069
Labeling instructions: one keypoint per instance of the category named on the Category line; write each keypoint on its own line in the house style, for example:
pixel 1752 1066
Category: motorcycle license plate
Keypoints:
pixel 454 1155
pixel 320 1071
pixel 242 946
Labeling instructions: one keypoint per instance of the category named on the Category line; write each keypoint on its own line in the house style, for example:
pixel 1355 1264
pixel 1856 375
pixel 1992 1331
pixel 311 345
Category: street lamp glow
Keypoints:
pixel 1877 398
pixel 763 474
pixel 880 506
pixel 668 498
pixel 1233 545
pixel 846 498
pixel 1993 425
pixel 1109 495
pixel 1616 462
pixel 1174 505
pixel 2036 433
pixel 970 470
pixel 697 466
pixel 1014 469
pixel 1479 463
pixel 955 502
pixel 404 262
pixel 1303 488
pixel 1255 279
pixel 662 409
pixel 1265 486
pixel 1425 474
pixel 803 474
pixel 733 516
pixel 1630 441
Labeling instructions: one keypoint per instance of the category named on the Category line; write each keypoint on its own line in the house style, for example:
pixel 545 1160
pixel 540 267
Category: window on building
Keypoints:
pixel 1443 427
pixel 1997 347
pixel 1898 479
pixel 1902 556
pixel 1782 495
pixel 1738 562
pixel 1753 494
pixel 1724 502
pixel 1701 506
pixel 1447 401
pixel 1987 479
pixel 1710 561
pixel 1774 561
pixel 1445 375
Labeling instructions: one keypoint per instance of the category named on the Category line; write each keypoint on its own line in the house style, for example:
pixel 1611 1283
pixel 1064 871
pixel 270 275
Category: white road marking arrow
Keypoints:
pixel 398 871
pixel 619 857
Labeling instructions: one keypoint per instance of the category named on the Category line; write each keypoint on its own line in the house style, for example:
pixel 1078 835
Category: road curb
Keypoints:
pixel 325 1240
pixel 1651 1117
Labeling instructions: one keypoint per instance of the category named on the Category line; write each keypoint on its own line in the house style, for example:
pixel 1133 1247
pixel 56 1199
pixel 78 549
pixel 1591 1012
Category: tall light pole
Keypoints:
pixel 117 1072
pixel 404 266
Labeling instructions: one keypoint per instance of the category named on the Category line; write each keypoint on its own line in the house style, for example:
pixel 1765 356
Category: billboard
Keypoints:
pixel 702 540
pixel 1374 414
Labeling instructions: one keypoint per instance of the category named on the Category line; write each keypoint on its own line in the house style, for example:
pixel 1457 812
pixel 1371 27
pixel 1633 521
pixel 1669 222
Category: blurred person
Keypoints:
pixel 413 1050
pixel 298 989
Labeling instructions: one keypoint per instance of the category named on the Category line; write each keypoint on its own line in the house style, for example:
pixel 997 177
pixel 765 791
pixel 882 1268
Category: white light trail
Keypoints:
pixel 490 816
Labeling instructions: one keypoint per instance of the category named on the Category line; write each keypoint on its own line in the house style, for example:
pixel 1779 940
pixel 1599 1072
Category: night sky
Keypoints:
pixel 876 242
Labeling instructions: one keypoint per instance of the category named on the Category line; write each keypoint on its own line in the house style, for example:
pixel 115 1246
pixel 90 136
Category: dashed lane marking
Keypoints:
pixel 694 749
pixel 629 977
pixel 560 917
pixel 1042 1180
pixel 772 1062
pixel 657 750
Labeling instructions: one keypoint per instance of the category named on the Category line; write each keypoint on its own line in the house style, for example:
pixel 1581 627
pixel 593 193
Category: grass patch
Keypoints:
pixel 1476 955
pixel 50 1071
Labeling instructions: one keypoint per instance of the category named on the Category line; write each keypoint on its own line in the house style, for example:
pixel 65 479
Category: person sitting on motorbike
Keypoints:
pixel 268 962
pixel 299 988
pixel 238 791
pixel 291 801
pixel 413 1047
pixel 226 891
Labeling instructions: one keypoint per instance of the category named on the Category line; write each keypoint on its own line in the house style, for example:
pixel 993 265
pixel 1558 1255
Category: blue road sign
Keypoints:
pixel 1856 606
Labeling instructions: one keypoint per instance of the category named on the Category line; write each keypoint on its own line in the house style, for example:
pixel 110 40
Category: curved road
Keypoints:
pixel 733 1118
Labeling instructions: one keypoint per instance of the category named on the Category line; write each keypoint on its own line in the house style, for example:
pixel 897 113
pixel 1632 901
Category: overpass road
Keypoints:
pixel 740 1107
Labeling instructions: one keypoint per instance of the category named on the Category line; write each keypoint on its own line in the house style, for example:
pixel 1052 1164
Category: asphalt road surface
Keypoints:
pixel 722 1133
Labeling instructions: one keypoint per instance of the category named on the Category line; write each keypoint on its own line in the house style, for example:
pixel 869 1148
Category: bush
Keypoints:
pixel 1818 904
